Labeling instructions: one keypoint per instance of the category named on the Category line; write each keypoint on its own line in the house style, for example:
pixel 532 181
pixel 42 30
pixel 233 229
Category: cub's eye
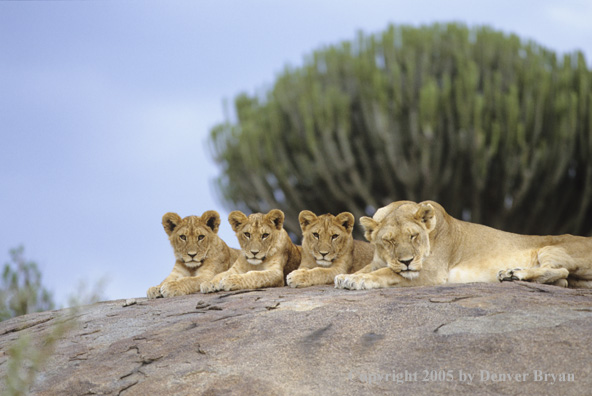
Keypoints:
pixel 264 236
pixel 201 237
pixel 247 235
pixel 414 237
pixel 334 236
pixel 183 237
pixel 316 235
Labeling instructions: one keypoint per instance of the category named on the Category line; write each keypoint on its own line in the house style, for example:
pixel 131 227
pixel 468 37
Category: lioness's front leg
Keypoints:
pixel 252 280
pixel 343 281
pixel 368 268
pixel 315 276
pixel 383 277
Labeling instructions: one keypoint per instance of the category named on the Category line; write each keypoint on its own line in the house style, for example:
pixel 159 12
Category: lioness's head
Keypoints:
pixel 401 236
pixel 257 234
pixel 326 237
pixel 191 236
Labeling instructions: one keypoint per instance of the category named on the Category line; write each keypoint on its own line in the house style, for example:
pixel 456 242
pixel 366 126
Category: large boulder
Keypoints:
pixel 486 339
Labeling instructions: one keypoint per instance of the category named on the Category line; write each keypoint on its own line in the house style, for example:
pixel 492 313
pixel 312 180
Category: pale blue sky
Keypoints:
pixel 106 105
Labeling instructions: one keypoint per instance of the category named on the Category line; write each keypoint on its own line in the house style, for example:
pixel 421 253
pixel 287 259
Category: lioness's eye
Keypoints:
pixel 264 236
pixel 201 237
pixel 334 236
pixel 414 237
pixel 316 235
pixel 247 235
pixel 183 237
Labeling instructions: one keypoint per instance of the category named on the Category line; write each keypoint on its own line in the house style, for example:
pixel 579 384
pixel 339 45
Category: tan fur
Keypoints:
pixel 267 253
pixel 200 253
pixel 420 244
pixel 328 249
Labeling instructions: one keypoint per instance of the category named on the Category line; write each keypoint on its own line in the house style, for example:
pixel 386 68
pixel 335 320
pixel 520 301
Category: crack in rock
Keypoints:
pixel 448 299
pixel 25 326
pixel 504 322
pixel 240 292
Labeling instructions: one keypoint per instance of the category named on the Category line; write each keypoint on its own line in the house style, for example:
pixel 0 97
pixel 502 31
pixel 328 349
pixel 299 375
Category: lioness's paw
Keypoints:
pixel 207 287
pixel 509 275
pixel 363 282
pixel 172 289
pixel 231 282
pixel 344 281
pixel 154 292
pixel 356 282
pixel 299 278
pixel 341 281
pixel 561 283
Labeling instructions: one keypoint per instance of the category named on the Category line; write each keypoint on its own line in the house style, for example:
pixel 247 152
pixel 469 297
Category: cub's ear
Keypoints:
pixel 369 225
pixel 212 219
pixel 427 215
pixel 346 220
pixel 237 219
pixel 170 221
pixel 276 216
pixel 306 217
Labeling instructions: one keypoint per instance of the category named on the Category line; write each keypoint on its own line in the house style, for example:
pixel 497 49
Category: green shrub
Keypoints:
pixel 496 129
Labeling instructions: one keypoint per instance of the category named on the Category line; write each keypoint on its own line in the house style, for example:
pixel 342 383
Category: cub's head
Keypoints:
pixel 259 235
pixel 326 237
pixel 401 236
pixel 192 236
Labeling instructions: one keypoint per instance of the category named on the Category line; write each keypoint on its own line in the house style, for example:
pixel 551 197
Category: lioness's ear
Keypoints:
pixel 170 221
pixel 212 220
pixel 236 219
pixel 346 220
pixel 276 216
pixel 369 225
pixel 305 218
pixel 427 215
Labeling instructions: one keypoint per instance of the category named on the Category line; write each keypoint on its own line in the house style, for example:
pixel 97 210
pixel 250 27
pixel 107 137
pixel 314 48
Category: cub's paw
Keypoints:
pixel 509 275
pixel 154 292
pixel 207 287
pixel 231 282
pixel 172 289
pixel 299 278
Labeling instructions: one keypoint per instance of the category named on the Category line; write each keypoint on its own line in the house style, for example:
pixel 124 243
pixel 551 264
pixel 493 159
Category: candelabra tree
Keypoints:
pixel 495 128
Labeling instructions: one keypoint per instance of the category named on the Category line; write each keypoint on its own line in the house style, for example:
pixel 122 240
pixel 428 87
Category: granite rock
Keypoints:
pixel 470 339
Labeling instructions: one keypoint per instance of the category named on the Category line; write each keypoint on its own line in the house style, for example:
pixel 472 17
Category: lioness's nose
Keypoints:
pixel 192 255
pixel 254 252
pixel 406 262
pixel 323 253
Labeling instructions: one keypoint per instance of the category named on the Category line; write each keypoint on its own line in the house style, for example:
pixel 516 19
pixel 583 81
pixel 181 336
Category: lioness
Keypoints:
pixel 420 244
pixel 267 255
pixel 328 249
pixel 199 251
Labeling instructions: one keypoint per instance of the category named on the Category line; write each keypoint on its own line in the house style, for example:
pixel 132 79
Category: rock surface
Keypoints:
pixel 472 339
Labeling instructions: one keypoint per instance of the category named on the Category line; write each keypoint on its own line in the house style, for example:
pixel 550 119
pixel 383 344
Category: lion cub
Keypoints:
pixel 199 251
pixel 267 253
pixel 328 249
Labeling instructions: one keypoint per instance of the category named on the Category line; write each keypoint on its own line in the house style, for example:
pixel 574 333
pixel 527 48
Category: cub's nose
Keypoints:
pixel 192 255
pixel 254 252
pixel 324 254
